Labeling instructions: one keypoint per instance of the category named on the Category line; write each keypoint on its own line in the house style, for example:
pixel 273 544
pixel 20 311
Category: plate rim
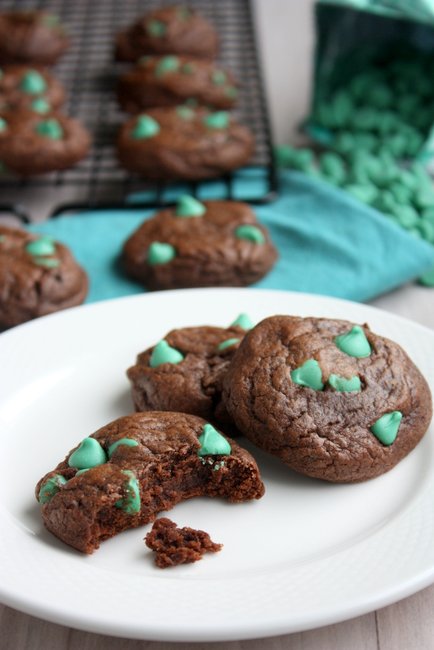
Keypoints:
pixel 193 291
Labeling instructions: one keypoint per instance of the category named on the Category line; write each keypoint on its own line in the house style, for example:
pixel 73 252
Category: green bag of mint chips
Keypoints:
pixel 417 10
pixel 373 76
pixel 371 122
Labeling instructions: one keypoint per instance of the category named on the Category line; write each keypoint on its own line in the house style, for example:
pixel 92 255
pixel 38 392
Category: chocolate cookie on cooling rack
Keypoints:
pixel 183 143
pixel 29 87
pixel 32 144
pixel 175 80
pixel 34 37
pixel 168 30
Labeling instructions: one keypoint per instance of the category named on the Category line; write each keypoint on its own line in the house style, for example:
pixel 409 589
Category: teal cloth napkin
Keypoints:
pixel 328 243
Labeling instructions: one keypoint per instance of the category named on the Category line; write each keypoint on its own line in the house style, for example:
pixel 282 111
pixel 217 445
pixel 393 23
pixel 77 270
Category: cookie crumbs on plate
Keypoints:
pixel 174 545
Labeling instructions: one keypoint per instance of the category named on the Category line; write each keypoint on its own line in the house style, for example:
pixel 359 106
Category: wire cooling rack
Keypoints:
pixel 89 74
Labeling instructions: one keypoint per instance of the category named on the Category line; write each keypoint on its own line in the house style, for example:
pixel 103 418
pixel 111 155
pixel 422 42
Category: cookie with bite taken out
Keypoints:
pixel 131 469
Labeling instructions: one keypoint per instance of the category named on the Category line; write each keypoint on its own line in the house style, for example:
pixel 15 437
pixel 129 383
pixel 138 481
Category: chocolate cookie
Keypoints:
pixel 173 80
pixel 174 546
pixel 133 468
pixel 209 244
pixel 168 30
pixel 35 144
pixel 331 399
pixel 185 370
pixel 34 37
pixel 183 143
pixel 30 88
pixel 38 276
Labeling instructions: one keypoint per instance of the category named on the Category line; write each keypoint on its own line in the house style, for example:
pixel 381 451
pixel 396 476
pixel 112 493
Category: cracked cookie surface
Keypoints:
pixel 193 385
pixel 200 251
pixel 326 431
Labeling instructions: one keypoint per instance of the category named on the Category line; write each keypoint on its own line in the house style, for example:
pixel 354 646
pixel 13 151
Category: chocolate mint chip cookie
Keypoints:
pixel 127 472
pixel 183 143
pixel 31 143
pixel 214 243
pixel 331 399
pixel 168 30
pixel 185 370
pixel 35 37
pixel 30 88
pixel 38 276
pixel 173 80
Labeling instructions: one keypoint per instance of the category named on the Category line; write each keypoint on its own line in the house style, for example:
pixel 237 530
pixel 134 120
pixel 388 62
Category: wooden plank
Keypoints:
pixel 358 633
pixel 21 632
pixel 409 623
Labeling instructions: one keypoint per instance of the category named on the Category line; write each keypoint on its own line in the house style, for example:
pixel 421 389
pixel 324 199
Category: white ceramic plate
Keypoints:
pixel 307 554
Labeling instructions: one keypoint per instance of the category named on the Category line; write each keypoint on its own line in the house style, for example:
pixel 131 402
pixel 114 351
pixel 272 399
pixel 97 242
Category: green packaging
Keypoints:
pixel 373 70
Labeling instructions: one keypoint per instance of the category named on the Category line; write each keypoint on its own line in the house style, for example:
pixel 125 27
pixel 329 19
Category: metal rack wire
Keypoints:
pixel 89 74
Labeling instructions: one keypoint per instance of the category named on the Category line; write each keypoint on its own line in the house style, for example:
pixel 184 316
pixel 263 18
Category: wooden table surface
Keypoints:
pixel 286 35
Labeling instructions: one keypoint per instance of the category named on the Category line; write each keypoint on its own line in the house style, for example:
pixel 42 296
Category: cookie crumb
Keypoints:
pixel 174 545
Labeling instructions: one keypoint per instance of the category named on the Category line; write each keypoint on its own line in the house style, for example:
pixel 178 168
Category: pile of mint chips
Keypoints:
pixel 372 117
